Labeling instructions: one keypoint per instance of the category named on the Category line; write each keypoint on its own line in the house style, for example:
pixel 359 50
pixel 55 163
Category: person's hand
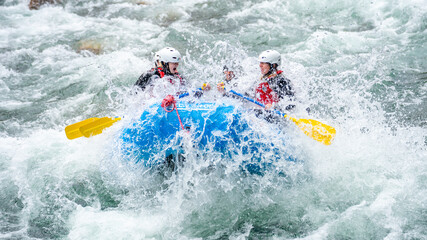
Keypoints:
pixel 268 106
pixel 206 87
pixel 229 75
pixel 220 86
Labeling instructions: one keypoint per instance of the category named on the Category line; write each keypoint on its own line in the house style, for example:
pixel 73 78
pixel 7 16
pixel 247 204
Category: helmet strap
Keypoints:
pixel 272 69
pixel 273 66
pixel 164 67
pixel 159 64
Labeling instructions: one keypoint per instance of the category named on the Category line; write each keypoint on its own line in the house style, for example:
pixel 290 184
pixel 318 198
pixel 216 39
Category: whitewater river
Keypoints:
pixel 361 67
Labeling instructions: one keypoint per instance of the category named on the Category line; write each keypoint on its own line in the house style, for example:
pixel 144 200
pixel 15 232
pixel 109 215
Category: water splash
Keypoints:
pixel 358 65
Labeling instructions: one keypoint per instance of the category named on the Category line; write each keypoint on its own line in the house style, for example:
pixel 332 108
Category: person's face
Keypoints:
pixel 264 67
pixel 173 67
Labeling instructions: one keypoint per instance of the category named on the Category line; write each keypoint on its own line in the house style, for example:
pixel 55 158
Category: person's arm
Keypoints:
pixel 285 90
pixel 145 79
pixel 227 83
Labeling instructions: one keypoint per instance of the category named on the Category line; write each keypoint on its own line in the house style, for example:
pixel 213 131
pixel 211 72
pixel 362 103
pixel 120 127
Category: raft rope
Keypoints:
pixel 170 100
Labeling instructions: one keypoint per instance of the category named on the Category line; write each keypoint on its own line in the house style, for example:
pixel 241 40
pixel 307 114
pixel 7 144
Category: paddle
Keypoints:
pixel 94 126
pixel 312 128
pixel 89 127
pixel 73 131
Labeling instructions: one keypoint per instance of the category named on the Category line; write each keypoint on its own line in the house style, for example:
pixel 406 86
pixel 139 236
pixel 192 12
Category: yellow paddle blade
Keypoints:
pixel 96 127
pixel 73 131
pixel 315 129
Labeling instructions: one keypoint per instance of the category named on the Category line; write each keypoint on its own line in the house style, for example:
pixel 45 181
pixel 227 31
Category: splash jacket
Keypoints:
pixel 147 78
pixel 273 88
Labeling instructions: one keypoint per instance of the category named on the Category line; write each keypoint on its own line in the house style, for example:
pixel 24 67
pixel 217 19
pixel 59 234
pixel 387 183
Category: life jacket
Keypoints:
pixel 264 93
pixel 162 74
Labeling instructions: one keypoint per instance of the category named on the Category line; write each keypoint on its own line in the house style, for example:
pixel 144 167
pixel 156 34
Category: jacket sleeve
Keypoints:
pixel 284 88
pixel 144 80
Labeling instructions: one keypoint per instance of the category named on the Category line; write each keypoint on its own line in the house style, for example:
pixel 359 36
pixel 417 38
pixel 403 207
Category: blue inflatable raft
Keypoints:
pixel 158 134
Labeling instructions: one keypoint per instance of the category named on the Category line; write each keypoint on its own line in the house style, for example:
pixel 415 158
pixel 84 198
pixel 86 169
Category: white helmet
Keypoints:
pixel 167 55
pixel 270 56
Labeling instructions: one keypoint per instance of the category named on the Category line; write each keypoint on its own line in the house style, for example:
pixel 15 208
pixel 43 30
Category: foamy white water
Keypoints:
pixel 360 66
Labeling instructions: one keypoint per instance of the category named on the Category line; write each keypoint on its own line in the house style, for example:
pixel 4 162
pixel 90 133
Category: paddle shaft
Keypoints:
pixel 256 102
pixel 187 94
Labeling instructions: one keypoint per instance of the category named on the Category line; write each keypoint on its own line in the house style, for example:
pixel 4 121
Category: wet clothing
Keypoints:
pixel 273 88
pixel 150 77
pixel 147 78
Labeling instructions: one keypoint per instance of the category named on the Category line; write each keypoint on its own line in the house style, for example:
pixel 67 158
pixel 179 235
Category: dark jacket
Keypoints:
pixel 147 78
pixel 273 88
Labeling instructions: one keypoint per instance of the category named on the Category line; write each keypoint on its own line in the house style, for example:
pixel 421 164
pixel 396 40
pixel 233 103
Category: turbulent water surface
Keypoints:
pixel 359 65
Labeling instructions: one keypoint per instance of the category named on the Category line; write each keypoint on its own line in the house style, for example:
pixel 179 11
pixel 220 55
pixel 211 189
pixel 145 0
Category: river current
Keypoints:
pixel 360 66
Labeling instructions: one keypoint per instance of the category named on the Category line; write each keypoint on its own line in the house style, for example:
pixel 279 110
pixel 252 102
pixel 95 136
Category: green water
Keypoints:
pixel 359 65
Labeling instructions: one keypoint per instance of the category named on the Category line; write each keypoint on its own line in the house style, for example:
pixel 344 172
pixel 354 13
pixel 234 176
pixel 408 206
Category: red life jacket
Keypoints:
pixel 264 93
pixel 162 74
